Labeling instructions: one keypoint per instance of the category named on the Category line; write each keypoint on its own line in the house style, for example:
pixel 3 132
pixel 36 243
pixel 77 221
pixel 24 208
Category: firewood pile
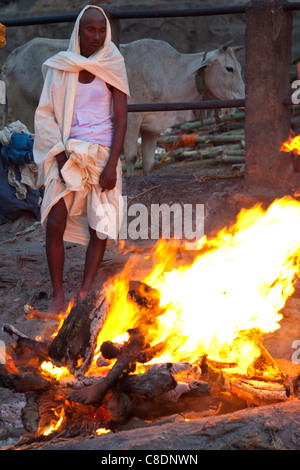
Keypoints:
pixel 129 385
pixel 218 140
pixel 207 142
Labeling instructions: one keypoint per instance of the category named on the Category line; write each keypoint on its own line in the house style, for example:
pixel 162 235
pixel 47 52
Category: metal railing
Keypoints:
pixel 128 14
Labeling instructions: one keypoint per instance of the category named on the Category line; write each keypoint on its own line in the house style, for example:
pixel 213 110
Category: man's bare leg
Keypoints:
pixel 94 255
pixel 56 225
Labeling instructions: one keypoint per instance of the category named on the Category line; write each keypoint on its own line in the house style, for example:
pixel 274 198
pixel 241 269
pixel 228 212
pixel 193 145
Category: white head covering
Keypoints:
pixel 106 63
pixel 74 45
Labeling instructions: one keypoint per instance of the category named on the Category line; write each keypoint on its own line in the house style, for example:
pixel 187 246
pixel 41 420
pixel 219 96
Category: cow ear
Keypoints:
pixel 201 64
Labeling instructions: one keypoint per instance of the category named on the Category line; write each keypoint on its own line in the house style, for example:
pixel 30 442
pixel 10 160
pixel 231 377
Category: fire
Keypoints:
pixel 62 316
pixel 232 291
pixel 50 371
pixel 55 425
pixel 293 143
pixel 100 431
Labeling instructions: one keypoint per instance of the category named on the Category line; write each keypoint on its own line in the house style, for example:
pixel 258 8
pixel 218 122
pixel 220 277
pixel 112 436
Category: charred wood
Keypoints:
pixel 156 388
pixel 151 384
pixel 123 407
pixel 143 295
pixel 75 342
pixel 120 407
pixel 256 392
pixel 27 351
pixel 110 350
pixel 24 382
pixel 44 409
pixel 125 364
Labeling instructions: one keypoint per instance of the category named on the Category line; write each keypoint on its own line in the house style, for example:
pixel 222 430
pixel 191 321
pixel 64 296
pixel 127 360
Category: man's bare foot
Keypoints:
pixel 57 306
pixel 80 297
pixel 90 395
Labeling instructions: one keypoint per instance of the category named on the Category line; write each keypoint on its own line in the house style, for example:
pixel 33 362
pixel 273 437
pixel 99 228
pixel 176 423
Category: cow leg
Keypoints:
pixel 131 142
pixel 149 142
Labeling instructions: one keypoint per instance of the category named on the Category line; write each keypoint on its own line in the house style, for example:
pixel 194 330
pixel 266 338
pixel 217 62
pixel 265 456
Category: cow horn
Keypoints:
pixel 226 45
pixel 238 48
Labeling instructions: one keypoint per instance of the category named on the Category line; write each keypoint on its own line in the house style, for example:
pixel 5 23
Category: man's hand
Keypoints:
pixel 108 177
pixel 61 160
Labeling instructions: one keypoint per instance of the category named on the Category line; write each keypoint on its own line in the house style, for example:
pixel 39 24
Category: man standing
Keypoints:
pixel 80 125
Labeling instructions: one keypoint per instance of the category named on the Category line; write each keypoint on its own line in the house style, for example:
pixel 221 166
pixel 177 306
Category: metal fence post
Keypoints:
pixel 115 31
pixel 267 119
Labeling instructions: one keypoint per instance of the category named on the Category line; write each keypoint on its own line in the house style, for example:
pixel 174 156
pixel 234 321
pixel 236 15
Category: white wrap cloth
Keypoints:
pixel 53 118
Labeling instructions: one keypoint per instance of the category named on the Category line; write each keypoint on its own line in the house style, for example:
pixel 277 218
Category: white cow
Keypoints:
pixel 156 73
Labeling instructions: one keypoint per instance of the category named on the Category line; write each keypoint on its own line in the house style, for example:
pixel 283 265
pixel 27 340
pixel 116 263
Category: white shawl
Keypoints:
pixel 53 116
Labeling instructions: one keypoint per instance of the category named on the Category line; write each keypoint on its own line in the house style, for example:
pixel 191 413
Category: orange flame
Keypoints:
pixel 100 431
pixel 49 370
pixel 55 424
pixel 293 143
pixel 62 316
pixel 239 282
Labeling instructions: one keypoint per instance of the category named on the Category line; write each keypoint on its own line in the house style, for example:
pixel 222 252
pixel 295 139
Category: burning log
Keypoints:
pixel 24 382
pixel 156 389
pixel 259 392
pixel 46 412
pixel 143 295
pixel 36 313
pixel 148 302
pixel 120 407
pixel 151 384
pixel 75 342
pixel 27 351
pixel 125 364
pixel 112 350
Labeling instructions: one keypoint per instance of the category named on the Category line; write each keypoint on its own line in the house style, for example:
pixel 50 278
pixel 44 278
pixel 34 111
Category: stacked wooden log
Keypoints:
pixel 217 141
pixel 207 141
pixel 211 141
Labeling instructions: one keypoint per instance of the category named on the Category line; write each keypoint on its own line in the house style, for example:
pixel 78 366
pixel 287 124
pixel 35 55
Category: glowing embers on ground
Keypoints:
pixel 239 282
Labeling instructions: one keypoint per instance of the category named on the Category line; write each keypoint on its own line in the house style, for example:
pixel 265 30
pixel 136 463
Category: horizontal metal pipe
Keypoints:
pixel 127 14
pixel 38 20
pixel 213 104
pixel 134 14
pixel 184 12
pixel 291 5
